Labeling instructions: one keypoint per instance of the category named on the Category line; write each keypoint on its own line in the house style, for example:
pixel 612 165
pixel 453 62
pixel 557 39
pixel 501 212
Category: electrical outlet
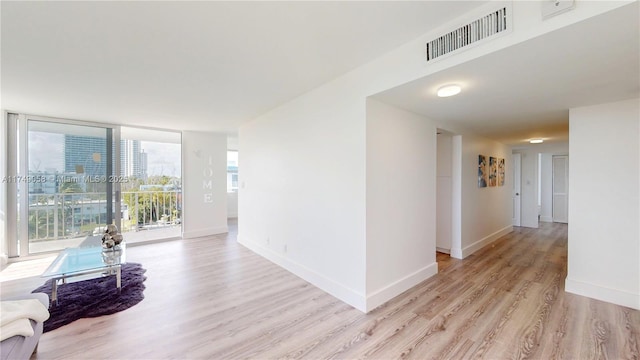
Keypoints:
pixel 285 248
pixel 268 240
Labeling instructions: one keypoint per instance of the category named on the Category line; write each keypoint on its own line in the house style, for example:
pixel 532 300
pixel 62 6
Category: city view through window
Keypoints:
pixel 76 183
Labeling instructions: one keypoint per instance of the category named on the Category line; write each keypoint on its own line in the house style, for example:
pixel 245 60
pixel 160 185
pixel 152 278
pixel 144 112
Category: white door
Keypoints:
pixel 516 159
pixel 560 189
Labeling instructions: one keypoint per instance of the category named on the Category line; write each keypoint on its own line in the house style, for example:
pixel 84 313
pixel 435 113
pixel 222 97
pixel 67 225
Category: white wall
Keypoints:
pixel 204 184
pixel 401 201
pixel 232 204
pixel 444 196
pixel 485 212
pixel 232 142
pixel 303 163
pixel 604 206
pixel 302 189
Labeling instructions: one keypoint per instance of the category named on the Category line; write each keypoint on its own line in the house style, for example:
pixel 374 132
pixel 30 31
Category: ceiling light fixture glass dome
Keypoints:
pixel 449 90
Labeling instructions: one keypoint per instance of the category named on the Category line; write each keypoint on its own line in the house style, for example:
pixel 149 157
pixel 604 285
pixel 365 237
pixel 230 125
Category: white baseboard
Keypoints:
pixel 546 218
pixel 340 291
pixel 456 253
pixel 468 250
pixel 396 288
pixel 598 292
pixel 443 250
pixel 205 232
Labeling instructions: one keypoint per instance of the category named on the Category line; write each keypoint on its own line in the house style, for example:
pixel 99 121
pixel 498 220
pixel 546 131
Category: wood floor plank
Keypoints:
pixel 211 298
pixel 495 325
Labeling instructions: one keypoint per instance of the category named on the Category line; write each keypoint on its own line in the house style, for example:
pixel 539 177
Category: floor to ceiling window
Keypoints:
pixel 72 178
pixel 152 196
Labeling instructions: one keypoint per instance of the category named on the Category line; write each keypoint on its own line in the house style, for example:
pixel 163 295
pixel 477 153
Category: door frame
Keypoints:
pixel 554 218
pixel 444 198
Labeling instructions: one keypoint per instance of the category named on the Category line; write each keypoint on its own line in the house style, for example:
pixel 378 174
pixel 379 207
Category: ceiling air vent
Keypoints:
pixel 491 25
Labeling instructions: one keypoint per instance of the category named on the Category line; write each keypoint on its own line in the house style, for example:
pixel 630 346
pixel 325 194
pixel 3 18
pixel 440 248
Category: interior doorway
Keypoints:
pixel 444 194
pixel 232 187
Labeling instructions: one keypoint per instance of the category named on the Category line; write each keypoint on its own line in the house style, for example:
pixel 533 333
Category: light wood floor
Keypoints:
pixel 211 298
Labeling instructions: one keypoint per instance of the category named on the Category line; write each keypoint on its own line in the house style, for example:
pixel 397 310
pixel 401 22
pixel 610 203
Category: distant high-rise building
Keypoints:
pixel 87 155
pixel 130 159
pixel 143 164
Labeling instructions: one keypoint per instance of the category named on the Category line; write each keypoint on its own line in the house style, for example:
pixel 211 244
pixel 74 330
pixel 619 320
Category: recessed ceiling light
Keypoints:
pixel 536 141
pixel 449 90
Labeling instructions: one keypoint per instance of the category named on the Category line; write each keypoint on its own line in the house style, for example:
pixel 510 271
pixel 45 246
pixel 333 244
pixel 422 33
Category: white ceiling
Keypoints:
pixel 192 65
pixel 526 91
pixel 214 65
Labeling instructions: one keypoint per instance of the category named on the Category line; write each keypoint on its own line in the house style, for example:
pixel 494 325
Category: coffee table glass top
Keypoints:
pixel 85 259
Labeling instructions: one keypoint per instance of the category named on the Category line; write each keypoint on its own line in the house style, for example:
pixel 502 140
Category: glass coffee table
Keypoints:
pixel 89 260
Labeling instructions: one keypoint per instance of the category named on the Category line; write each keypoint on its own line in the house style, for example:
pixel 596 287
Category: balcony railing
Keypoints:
pixel 62 216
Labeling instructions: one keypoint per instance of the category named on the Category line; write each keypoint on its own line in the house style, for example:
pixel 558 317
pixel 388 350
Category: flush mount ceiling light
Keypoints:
pixel 449 90
pixel 536 141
